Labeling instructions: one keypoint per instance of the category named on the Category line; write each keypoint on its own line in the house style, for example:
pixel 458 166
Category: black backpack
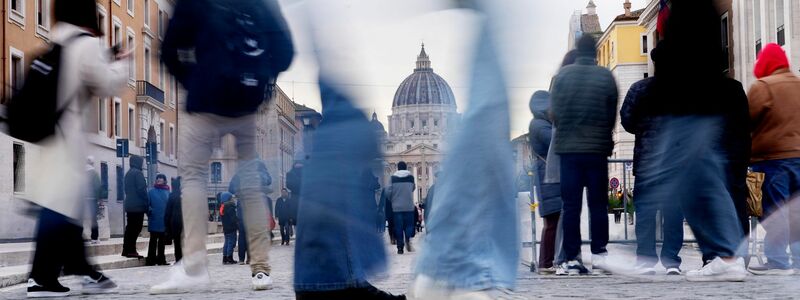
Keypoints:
pixel 33 112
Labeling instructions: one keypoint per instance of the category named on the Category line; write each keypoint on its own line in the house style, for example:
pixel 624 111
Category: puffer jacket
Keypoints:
pixel 584 101
pixel 540 134
pixel 638 122
pixel 136 198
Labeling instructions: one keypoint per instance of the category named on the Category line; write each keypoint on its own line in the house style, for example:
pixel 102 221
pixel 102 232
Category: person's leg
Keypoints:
pixel 776 190
pixel 560 255
pixel 284 232
pixel 152 246
pixel 647 207
pixel 242 245
pixel 74 251
pixel 597 197
pixel 162 257
pixel 673 235
pixel 410 226
pixel 547 247
pixel 47 261
pixel 93 217
pixel 399 229
pixel 571 194
pixel 132 230
pixel 176 243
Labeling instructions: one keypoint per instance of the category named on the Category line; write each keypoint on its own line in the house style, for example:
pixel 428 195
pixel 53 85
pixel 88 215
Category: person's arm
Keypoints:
pixel 177 49
pixel 628 114
pixel 556 103
pixel 101 73
pixel 613 102
pixel 141 188
pixel 760 99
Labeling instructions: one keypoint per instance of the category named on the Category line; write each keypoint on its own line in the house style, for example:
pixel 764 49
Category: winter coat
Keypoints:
pixel 158 209
pixel 639 122
pixel 540 134
pixel 294 182
pixel 227 214
pixel 58 175
pixel 774 107
pixel 402 195
pixel 584 101
pixel 173 215
pixel 136 197
pixel 283 211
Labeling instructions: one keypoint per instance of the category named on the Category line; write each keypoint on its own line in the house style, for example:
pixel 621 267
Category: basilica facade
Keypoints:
pixel 423 113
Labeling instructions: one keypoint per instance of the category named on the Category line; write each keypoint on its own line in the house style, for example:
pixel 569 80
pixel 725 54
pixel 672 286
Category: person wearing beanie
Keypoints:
pixel 230 225
pixel 775 128
pixel 158 197
pixel 584 105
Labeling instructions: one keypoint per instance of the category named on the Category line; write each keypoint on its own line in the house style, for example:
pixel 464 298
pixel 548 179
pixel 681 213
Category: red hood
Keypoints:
pixel 771 59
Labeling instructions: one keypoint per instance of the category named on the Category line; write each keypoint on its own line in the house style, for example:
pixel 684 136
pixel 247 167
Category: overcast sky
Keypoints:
pixel 371 46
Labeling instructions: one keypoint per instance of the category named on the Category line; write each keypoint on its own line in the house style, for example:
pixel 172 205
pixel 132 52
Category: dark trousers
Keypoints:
pixel 132 231
pixel 547 249
pixel 59 247
pixel 403 227
pixel 93 218
pixel 390 224
pixel 95 231
pixel 781 217
pixel 176 243
pixel 286 232
pixel 242 244
pixel 155 250
pixel 647 206
pixel 579 171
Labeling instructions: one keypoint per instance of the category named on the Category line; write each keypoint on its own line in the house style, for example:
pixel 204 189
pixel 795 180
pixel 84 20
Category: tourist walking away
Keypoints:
pixel 227 214
pixel 703 135
pixel 334 253
pixel 387 210
pixel 294 183
pixel 84 70
pixel 472 245
pixel 636 120
pixel 540 132
pixel 159 196
pixel 226 84
pixel 283 213
pixel 380 221
pixel 235 188
pixel 135 205
pixel 94 198
pixel 584 100
pixel 403 208
pixel 775 127
pixel 173 219
pixel 429 199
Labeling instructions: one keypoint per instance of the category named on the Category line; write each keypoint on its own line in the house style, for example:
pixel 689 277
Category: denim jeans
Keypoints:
pixel 473 239
pixel 403 227
pixel 579 171
pixel 647 208
pixel 230 243
pixel 242 243
pixel 781 217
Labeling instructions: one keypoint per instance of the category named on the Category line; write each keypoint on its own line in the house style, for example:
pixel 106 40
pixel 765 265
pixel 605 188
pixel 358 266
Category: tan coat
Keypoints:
pixel 775 117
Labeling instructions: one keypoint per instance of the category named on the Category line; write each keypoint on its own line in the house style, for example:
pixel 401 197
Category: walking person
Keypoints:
pixel 284 215
pixel 540 133
pixel 135 205
pixel 94 198
pixel 226 84
pixel 235 188
pixel 389 212
pixel 173 218
pixel 227 214
pixel 774 103
pixel 294 183
pixel 402 198
pixel 636 120
pixel 158 198
pixel 86 70
pixel 429 200
pixel 584 100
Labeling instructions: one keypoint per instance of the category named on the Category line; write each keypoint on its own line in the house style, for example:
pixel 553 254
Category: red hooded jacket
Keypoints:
pixel 771 59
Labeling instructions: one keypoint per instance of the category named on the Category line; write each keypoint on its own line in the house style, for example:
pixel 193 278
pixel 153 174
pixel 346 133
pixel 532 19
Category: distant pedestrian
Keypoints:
pixel 235 188
pixel 230 226
pixel 87 71
pixel 94 197
pixel 294 182
pixel 135 204
pixel 774 104
pixel 540 134
pixel 173 218
pixel 158 197
pixel 584 103
pixel 284 215
pixel 403 208
pixel 429 199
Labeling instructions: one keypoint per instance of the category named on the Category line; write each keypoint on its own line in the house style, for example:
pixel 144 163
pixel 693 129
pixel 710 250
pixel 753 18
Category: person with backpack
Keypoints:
pixel 227 54
pixel 74 71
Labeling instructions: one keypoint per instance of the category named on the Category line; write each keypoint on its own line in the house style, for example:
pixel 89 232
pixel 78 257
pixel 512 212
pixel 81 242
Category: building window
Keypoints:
pixel 43 13
pixel 216 172
pixel 645 45
pixel 117 118
pixel 725 43
pixel 17 70
pixel 117 38
pixel 132 61
pixel 131 7
pixel 757 25
pixel 435 146
pixel 19 168
pixel 101 115
pixel 436 123
pixel 172 147
pixel 758 48
pixel 161 23
pixel 101 19
pixel 424 123
pixel 161 136
pixel 131 124
pixel 161 75
pixel 412 124
pixel 147 64
pixel 120 186
pixel 17 11
pixel 146 13
pixel 174 91
pixel 408 147
pixel 781 34
pixel 104 177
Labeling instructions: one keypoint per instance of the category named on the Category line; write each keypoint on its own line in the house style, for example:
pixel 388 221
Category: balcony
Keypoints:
pixel 147 93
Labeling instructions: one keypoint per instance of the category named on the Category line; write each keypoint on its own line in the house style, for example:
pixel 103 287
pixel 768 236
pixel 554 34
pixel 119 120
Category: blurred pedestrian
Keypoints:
pixel 135 206
pixel 774 103
pixel 94 197
pixel 87 70
pixel 235 188
pixel 284 215
pixel 403 208
pixel 173 218
pixel 294 182
pixel 540 134
pixel 158 197
pixel 382 210
pixel 230 225
pixel 228 55
pixel 584 103
pixel 644 126
pixel 429 199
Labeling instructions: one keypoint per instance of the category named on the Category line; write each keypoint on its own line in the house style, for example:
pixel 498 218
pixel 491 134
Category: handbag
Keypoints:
pixel 755 180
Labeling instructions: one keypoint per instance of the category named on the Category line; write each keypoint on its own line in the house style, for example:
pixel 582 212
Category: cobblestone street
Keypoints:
pixel 233 282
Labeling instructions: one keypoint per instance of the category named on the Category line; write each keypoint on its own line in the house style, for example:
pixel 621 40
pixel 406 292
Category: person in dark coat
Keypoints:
pixel 645 128
pixel 265 181
pixel 540 134
pixel 173 218
pixel 156 225
pixel 584 103
pixel 427 206
pixel 230 225
pixel 294 182
pixel 284 215
pixel 136 206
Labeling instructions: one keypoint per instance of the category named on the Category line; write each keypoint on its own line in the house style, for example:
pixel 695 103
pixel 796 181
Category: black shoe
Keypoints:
pixel 372 292
pixel 132 255
pixel 575 267
pixel 400 251
pixel 150 262
pixel 409 248
pixel 36 290
pixel 100 285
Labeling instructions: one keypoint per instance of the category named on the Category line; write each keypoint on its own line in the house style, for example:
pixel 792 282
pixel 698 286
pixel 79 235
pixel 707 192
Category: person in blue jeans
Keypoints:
pixel 402 199
pixel 584 104
pixel 227 212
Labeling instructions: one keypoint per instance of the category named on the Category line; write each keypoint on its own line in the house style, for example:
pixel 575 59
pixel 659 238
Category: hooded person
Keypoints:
pixel 135 204
pixel 230 226
pixel 173 218
pixel 540 132
pixel 774 103
pixel 94 196
pixel 403 208
pixel 158 197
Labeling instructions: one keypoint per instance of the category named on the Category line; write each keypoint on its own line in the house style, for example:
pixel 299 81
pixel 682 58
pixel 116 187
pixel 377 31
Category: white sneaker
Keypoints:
pixel 561 271
pixel 599 265
pixel 180 282
pixel 644 269
pixel 719 270
pixel 674 271
pixel 262 281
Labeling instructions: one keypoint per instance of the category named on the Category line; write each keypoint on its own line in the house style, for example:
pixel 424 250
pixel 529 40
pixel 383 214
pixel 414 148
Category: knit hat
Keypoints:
pixel 771 59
